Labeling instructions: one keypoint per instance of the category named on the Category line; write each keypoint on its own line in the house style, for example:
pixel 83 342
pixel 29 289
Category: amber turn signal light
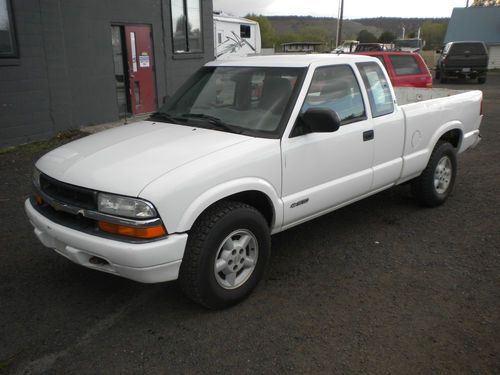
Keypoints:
pixel 38 199
pixel 151 232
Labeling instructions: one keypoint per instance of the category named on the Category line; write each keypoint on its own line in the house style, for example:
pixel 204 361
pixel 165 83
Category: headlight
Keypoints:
pixel 36 178
pixel 125 206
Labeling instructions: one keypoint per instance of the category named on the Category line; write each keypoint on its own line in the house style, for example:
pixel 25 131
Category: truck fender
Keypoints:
pixel 227 189
pixel 443 129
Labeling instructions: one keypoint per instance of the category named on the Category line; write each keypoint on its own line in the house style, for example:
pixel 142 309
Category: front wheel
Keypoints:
pixel 435 184
pixel 227 252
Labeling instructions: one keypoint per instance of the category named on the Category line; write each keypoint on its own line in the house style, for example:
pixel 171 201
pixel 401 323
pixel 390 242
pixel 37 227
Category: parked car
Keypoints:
pixel 196 191
pixel 406 69
pixel 348 46
pixel 464 60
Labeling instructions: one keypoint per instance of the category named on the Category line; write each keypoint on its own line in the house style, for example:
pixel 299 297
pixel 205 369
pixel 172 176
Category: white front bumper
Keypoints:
pixel 149 262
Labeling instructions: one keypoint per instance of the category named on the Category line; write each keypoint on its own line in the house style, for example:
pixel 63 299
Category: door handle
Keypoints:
pixel 368 135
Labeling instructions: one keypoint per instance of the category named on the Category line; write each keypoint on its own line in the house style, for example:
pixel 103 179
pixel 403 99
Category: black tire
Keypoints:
pixel 197 276
pixel 481 80
pixel 443 78
pixel 438 74
pixel 424 187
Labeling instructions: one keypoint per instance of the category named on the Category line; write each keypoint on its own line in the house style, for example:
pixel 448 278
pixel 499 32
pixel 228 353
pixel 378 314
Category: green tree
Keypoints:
pixel 386 37
pixel 267 34
pixel 365 36
pixel 433 33
pixel 314 35
pixel 486 3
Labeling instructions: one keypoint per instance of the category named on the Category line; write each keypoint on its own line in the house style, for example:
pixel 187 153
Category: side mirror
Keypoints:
pixel 438 51
pixel 321 120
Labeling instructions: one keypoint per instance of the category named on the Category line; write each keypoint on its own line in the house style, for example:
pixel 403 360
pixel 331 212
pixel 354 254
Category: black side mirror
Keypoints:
pixel 438 51
pixel 321 120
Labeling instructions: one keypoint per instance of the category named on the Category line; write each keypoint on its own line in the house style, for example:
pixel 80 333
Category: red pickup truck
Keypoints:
pixel 406 69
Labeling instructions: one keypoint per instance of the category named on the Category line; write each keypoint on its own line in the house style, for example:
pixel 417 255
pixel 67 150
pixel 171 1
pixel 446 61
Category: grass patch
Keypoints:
pixel 4 363
pixel 37 147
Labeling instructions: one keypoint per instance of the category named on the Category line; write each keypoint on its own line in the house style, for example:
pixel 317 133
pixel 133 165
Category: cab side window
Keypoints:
pixel 336 88
pixel 377 87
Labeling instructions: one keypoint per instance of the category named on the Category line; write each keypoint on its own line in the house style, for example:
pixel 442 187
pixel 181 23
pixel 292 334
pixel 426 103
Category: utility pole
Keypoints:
pixel 467 5
pixel 339 23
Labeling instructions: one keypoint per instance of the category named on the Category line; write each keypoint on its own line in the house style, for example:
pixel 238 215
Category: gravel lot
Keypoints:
pixel 380 287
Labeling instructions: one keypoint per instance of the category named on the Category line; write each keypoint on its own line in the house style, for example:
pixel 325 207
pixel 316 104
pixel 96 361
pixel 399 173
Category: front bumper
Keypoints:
pixel 149 262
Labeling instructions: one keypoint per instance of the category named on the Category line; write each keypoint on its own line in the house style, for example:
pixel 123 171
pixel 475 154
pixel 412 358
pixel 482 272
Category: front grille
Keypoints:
pixel 82 224
pixel 70 194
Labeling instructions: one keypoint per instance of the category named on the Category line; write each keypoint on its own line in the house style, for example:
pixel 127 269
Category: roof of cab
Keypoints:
pixel 288 60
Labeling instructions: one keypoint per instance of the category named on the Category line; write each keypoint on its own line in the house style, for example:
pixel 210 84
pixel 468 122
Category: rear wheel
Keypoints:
pixel 481 80
pixel 442 77
pixel 435 184
pixel 227 251
pixel 438 73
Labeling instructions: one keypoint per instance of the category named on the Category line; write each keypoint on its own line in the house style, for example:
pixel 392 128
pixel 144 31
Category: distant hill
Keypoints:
pixel 350 28
pixel 295 24
pixel 395 25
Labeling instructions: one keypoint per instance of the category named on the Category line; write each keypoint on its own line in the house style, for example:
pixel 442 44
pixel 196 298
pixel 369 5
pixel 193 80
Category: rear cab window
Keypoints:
pixel 467 49
pixel 378 89
pixel 405 65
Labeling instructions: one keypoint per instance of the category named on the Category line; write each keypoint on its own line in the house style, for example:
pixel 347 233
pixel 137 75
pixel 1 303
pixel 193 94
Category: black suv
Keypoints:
pixel 463 59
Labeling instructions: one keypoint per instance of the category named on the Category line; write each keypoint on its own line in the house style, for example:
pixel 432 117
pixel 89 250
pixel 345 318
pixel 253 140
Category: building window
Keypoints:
pixel 8 44
pixel 186 26
pixel 245 31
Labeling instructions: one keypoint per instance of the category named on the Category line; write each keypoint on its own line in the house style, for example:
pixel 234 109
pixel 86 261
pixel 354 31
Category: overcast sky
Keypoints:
pixel 352 8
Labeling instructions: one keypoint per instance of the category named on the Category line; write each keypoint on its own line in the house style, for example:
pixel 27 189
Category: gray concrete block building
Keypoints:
pixel 69 63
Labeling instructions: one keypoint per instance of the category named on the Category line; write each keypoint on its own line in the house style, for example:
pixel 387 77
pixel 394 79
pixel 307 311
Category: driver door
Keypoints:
pixel 325 170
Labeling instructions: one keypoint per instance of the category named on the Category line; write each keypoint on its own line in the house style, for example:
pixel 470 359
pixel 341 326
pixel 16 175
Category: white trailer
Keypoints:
pixel 235 36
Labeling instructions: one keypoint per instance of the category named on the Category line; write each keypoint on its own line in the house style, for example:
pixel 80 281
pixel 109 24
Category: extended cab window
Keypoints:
pixel 377 88
pixel 336 88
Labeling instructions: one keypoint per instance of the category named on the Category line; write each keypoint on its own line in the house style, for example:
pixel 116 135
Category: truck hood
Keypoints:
pixel 124 160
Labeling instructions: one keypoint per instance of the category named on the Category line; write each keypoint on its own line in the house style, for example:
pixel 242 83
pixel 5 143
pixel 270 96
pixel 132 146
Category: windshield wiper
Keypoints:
pixel 215 121
pixel 163 116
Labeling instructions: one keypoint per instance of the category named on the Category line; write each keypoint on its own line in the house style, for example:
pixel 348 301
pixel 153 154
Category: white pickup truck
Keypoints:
pixel 245 149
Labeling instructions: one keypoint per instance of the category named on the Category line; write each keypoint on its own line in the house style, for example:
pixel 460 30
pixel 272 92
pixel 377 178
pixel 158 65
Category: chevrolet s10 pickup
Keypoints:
pixel 245 149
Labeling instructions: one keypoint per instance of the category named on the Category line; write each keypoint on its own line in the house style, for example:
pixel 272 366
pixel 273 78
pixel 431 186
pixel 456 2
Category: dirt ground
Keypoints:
pixel 380 287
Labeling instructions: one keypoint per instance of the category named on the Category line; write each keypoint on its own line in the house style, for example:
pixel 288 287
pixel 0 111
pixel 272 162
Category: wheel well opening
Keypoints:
pixel 258 200
pixel 453 136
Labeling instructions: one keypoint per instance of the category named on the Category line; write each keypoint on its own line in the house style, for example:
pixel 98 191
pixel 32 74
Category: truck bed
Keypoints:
pixel 428 114
pixel 408 95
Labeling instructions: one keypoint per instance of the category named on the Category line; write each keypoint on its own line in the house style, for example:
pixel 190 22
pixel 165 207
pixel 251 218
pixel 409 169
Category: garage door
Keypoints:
pixel 494 52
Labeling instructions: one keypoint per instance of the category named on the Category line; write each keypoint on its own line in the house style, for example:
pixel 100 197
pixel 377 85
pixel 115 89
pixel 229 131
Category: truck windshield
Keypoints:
pixel 249 100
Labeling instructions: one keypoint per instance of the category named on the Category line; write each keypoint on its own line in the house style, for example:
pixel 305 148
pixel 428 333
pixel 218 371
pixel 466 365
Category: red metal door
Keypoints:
pixel 141 68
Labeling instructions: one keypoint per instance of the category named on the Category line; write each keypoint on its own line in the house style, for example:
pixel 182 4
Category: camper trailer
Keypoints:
pixel 235 36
